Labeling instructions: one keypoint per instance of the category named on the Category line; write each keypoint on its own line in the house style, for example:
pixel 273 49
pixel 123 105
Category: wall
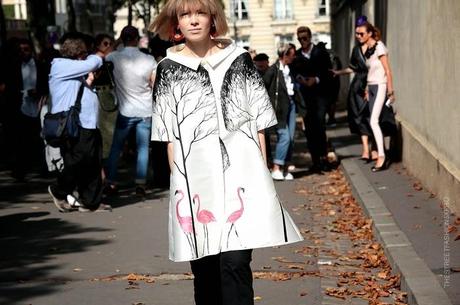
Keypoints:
pixel 424 54
pixel 425 57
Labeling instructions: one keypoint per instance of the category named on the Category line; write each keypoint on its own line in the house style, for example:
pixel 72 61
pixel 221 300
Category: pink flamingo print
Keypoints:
pixel 235 215
pixel 204 217
pixel 185 222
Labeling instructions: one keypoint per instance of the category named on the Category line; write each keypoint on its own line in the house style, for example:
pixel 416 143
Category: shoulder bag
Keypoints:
pixel 62 126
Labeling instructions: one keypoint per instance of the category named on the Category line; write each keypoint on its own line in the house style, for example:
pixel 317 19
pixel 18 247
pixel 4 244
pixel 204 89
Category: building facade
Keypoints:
pixel 265 24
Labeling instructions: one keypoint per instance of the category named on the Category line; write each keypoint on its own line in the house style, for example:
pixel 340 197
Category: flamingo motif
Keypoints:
pixel 235 215
pixel 204 217
pixel 185 222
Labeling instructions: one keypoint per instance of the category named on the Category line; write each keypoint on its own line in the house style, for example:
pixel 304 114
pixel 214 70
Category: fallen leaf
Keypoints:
pixel 458 237
pixel 303 293
pixel 417 186
pixel 257 298
pixel 455 269
pixel 77 269
pixel 451 229
pixel 295 266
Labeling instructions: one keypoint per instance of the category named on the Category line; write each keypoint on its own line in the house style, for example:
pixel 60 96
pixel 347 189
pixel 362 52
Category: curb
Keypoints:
pixel 421 284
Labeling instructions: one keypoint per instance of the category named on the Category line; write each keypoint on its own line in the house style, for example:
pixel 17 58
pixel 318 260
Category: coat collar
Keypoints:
pixel 228 47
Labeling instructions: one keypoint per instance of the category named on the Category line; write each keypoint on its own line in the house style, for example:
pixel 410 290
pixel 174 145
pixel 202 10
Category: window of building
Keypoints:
pixel 239 9
pixel 283 9
pixel 283 39
pixel 242 42
pixel 323 8
pixel 61 7
pixel 8 10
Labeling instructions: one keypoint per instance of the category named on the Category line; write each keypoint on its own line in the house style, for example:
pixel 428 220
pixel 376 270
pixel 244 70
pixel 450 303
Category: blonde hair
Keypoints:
pixel 166 22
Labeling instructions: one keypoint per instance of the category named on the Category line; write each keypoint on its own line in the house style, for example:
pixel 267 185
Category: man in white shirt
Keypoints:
pixel 134 73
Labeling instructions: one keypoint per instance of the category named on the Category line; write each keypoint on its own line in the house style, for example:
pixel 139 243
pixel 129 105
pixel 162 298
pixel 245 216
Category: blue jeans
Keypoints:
pixel 283 149
pixel 123 126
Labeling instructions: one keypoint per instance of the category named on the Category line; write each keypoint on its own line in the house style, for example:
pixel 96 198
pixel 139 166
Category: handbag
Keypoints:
pixel 387 121
pixel 62 126
pixel 104 85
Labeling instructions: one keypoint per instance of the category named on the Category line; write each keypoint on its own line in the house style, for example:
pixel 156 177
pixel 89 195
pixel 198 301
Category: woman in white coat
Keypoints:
pixel 211 105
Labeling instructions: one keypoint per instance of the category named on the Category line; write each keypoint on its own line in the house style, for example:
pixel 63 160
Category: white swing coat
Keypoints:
pixel 222 196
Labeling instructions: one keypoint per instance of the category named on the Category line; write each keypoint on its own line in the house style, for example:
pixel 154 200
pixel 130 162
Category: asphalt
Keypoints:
pixel 48 257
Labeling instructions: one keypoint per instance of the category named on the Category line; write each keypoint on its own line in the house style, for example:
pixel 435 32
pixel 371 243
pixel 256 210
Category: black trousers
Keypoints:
pixel 82 169
pixel 224 279
pixel 315 127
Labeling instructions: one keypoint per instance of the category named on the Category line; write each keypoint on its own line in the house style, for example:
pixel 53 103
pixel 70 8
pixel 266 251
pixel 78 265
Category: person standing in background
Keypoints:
pixel 379 85
pixel 134 74
pixel 25 85
pixel 279 82
pixel 357 106
pixel 311 68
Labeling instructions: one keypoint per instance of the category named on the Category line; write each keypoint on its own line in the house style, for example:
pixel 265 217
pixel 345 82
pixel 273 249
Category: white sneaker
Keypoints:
pixel 289 176
pixel 291 168
pixel 62 205
pixel 277 175
pixel 73 201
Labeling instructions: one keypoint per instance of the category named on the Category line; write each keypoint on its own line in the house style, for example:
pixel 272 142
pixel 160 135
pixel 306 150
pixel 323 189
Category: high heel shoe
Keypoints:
pixel 384 166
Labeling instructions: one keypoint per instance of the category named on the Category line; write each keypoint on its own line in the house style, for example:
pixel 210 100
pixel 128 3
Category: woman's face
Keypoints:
pixel 362 35
pixel 105 46
pixel 195 24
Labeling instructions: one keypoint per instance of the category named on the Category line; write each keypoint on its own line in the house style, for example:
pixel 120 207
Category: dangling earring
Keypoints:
pixel 178 36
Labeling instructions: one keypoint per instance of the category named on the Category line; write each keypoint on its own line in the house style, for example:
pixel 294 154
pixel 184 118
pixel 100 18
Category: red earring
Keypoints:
pixel 178 36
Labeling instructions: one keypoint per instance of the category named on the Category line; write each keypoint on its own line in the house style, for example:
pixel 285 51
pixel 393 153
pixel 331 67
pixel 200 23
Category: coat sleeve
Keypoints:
pixel 162 113
pixel 259 103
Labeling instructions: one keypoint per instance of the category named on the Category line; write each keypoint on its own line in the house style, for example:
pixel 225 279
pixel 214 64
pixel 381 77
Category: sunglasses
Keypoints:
pixel 303 38
pixel 107 43
pixel 360 34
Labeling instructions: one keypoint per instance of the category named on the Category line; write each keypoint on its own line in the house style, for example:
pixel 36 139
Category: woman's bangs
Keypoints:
pixel 196 5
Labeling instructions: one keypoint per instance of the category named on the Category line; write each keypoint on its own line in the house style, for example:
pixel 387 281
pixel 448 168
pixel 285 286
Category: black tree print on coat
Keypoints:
pixel 245 103
pixel 187 95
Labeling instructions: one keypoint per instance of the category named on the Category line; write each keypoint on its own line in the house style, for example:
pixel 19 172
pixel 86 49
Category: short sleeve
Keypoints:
pixel 380 49
pixel 259 102
pixel 162 113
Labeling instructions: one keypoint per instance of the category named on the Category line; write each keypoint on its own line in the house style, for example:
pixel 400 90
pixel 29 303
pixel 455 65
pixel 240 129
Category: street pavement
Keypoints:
pixel 121 257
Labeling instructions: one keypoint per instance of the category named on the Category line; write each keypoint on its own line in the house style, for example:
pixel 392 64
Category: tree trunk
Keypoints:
pixel 71 21
pixel 40 14
pixel 2 29
pixel 130 12
pixel 88 17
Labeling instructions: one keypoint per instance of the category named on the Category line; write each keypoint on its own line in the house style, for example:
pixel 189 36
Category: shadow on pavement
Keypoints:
pixel 30 244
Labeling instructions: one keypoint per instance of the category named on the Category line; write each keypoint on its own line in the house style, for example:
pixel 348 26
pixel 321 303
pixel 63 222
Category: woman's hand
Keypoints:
pixel 90 79
pixel 366 95
pixel 391 96
pixel 335 73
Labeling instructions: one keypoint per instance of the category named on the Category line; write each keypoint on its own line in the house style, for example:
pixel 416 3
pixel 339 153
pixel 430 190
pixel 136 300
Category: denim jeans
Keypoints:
pixel 122 128
pixel 283 149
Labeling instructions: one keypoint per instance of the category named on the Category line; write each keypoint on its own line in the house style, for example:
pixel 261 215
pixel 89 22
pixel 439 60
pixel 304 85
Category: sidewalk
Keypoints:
pixel 415 226
pixel 121 257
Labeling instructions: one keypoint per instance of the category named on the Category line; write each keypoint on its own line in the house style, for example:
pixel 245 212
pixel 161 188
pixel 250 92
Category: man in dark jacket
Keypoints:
pixel 311 68
pixel 25 83
pixel 279 82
